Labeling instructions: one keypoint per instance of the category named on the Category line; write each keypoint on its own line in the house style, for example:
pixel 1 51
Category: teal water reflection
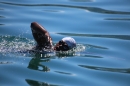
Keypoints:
pixel 100 28
pixel 91 9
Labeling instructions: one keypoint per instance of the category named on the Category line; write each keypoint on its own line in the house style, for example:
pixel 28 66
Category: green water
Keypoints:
pixel 100 28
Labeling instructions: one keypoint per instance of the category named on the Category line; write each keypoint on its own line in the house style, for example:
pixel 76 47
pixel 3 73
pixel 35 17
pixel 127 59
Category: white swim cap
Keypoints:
pixel 70 42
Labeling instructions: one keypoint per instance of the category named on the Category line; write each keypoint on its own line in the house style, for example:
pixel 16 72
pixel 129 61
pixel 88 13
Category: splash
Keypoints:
pixel 13 44
pixel 20 46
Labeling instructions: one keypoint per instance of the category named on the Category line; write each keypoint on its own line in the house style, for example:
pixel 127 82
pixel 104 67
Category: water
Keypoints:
pixel 100 28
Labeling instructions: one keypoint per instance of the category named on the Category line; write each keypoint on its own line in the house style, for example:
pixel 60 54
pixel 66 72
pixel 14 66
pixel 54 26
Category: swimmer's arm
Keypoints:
pixel 38 28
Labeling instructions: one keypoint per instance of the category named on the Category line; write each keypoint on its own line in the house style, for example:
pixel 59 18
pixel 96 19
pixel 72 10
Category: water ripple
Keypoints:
pixel 122 19
pixel 82 0
pixel 5 62
pixel 104 61
pixel 91 9
pixel 107 69
pixel 38 83
pixel 2 17
pixel 123 37
pixel 64 73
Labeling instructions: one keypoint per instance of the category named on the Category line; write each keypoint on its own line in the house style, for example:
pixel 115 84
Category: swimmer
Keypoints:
pixel 44 40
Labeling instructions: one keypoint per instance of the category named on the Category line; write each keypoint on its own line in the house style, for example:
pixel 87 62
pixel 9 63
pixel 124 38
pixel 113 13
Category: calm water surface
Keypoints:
pixel 101 29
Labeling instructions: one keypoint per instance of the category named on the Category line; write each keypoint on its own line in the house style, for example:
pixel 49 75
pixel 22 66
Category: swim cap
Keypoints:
pixel 70 42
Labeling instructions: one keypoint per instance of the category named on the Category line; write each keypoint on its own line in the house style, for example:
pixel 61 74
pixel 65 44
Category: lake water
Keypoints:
pixel 101 29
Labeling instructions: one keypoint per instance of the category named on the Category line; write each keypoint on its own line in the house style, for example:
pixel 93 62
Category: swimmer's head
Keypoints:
pixel 65 44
